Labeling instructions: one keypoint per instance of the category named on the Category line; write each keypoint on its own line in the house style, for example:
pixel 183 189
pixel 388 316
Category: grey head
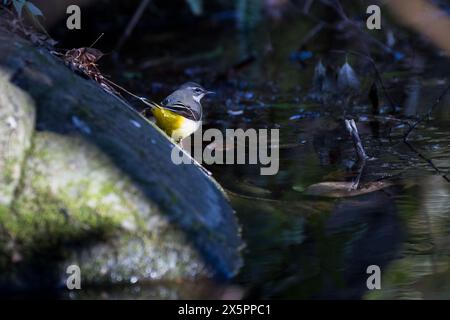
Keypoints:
pixel 186 100
pixel 194 90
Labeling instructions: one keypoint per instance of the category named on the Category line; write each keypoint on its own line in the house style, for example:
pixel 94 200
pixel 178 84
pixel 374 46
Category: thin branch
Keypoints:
pixel 426 115
pixel 429 161
pixel 353 130
pixel 422 119
pixel 307 6
pixel 312 33
pixel 360 152
pixel 132 24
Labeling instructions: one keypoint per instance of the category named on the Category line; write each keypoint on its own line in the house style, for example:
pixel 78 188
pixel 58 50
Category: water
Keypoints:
pixel 301 246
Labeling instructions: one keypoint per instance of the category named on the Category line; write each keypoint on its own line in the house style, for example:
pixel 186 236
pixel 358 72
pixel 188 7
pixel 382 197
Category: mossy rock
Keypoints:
pixel 86 180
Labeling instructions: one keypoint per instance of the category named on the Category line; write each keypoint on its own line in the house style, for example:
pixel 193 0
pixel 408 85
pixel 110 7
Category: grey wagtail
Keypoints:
pixel 180 114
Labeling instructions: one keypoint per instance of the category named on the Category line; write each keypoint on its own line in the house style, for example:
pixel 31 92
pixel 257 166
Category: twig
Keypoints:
pixel 355 183
pixel 429 161
pixel 307 6
pixel 353 130
pixel 427 115
pixel 360 152
pixel 132 24
pixel 420 120
pixel 312 33
pixel 97 40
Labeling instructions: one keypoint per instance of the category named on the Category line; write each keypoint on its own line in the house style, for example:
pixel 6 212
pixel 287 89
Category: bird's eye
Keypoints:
pixel 198 90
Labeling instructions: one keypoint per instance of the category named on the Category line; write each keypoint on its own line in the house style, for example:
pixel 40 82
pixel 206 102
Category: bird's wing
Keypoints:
pixel 176 107
pixel 182 109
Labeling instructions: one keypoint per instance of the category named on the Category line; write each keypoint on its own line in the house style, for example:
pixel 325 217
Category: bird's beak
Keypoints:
pixel 210 92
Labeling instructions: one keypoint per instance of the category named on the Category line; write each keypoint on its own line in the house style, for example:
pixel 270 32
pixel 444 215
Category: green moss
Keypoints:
pixel 4 238
pixel 3 212
pixel 8 176
pixel 69 206
pixel 48 222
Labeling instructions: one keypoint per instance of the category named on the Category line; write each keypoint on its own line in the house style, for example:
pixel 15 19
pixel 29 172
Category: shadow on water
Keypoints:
pixel 319 250
pixel 302 246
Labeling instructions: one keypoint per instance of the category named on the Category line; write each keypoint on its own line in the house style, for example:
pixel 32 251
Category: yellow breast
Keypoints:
pixel 176 126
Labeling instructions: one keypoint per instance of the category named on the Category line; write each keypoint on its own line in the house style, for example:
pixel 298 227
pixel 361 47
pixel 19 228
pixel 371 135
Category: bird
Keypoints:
pixel 180 114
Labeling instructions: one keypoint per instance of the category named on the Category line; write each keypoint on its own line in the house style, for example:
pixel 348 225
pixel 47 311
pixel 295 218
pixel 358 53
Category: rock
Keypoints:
pixel 16 128
pixel 340 189
pixel 86 180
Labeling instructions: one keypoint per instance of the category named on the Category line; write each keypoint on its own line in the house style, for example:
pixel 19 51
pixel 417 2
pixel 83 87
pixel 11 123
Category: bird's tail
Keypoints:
pixel 149 103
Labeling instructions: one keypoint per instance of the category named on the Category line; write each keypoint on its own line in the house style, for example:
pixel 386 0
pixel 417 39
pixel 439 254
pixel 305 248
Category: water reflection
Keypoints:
pixel 299 246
